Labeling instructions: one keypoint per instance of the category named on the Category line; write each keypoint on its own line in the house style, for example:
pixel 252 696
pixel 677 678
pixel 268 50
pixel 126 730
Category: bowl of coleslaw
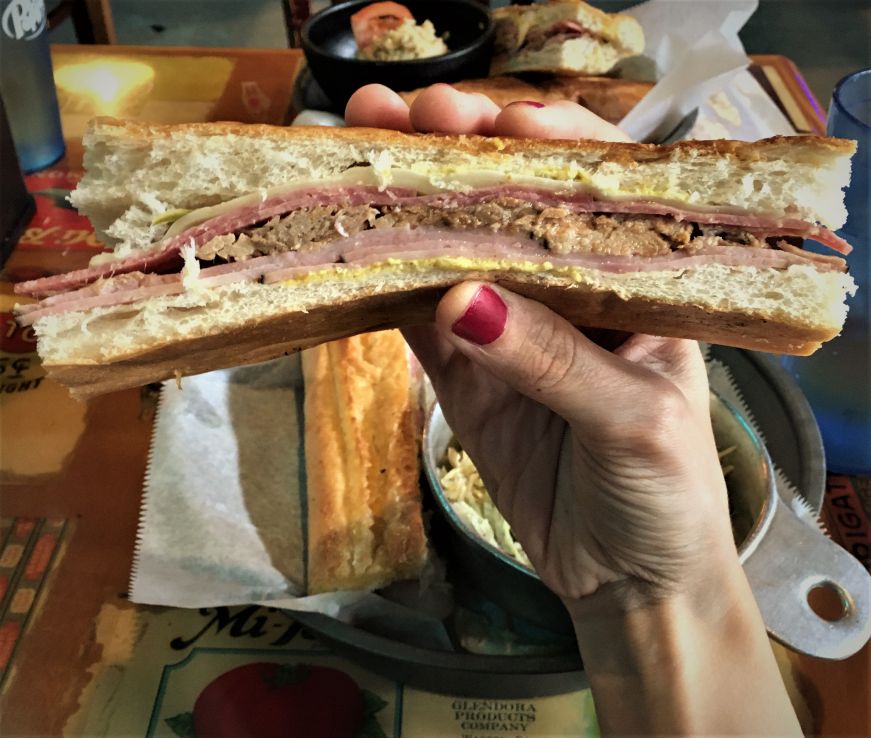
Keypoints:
pixel 404 59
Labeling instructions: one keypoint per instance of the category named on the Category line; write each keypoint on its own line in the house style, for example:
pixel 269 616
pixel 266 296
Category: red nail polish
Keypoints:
pixel 531 103
pixel 484 319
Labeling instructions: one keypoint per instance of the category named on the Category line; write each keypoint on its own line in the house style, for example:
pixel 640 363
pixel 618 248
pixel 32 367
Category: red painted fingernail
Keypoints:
pixel 531 103
pixel 484 319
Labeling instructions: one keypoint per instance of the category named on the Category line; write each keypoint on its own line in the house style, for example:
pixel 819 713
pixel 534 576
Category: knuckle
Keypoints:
pixel 663 418
pixel 667 403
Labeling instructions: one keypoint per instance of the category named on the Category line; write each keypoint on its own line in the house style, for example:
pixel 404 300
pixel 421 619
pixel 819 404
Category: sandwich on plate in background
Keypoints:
pixel 565 37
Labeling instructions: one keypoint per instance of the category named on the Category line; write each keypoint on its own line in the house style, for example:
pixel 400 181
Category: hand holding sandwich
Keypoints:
pixel 605 466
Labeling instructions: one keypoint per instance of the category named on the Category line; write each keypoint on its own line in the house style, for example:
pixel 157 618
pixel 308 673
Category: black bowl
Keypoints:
pixel 330 49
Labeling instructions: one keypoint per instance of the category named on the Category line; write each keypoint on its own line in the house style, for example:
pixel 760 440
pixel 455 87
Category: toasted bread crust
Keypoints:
pixel 514 11
pixel 365 527
pixel 619 153
pixel 582 304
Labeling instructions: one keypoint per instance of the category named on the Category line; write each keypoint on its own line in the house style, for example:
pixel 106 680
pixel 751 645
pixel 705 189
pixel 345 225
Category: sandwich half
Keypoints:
pixel 235 244
pixel 566 37
pixel 362 431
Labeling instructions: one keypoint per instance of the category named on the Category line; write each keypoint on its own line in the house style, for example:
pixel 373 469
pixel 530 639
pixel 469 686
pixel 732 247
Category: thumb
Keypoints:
pixel 541 355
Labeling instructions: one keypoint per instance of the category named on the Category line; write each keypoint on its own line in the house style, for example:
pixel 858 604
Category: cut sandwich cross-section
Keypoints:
pixel 238 243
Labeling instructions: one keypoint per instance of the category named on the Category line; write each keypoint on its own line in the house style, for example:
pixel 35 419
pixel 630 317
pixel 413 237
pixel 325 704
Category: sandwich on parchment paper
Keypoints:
pixel 362 436
pixel 235 244
pixel 562 37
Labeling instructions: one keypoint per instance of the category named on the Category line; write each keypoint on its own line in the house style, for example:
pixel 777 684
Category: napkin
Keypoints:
pixel 693 50
pixel 222 520
pixel 224 511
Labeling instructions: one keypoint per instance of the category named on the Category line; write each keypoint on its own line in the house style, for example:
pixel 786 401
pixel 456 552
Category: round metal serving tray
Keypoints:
pixel 786 422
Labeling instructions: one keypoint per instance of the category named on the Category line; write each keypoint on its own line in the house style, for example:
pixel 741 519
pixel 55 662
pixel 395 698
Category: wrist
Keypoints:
pixel 688 659
pixel 617 625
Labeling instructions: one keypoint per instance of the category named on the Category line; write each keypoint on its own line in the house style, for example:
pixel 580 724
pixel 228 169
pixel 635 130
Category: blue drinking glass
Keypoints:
pixel 837 378
pixel 27 84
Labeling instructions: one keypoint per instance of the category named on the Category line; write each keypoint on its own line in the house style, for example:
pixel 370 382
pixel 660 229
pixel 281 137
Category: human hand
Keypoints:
pixel 603 463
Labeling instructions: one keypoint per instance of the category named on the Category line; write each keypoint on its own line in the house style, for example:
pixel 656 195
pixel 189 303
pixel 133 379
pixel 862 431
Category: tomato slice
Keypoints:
pixel 376 19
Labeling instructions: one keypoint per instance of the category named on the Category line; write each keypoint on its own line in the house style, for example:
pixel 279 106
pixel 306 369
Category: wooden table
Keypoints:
pixel 72 474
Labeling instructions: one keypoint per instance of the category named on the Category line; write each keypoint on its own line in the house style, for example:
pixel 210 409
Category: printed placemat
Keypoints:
pixel 28 551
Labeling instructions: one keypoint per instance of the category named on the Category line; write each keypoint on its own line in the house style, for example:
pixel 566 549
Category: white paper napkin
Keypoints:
pixel 223 510
pixel 699 62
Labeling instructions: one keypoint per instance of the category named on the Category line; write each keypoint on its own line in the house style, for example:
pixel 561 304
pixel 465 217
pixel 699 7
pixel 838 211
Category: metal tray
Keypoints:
pixel 786 422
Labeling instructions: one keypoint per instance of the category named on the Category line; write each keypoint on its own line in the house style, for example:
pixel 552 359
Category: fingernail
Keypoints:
pixel 484 318
pixel 531 103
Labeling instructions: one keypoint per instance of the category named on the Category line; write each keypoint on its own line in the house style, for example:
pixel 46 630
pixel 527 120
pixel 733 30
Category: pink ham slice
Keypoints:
pixel 568 27
pixel 757 224
pixel 379 245
pixel 128 288
pixel 152 260
pixel 368 248
pixel 166 253
pixel 557 33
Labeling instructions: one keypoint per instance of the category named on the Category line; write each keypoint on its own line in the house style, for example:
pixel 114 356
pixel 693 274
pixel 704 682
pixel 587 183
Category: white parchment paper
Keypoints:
pixel 223 510
pixel 223 515
pixel 693 51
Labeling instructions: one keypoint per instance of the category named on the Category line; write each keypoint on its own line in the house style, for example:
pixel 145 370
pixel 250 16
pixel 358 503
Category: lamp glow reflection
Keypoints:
pixel 103 86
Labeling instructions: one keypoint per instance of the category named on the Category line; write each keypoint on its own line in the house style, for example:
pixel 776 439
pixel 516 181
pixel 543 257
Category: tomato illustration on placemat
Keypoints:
pixel 267 700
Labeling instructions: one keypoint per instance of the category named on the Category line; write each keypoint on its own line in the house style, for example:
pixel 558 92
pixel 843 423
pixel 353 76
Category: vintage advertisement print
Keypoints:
pixel 173 672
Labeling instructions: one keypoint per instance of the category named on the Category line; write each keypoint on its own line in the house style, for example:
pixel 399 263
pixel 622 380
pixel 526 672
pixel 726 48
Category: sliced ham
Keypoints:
pixel 399 240
pixel 132 293
pixel 568 26
pixel 164 256
pixel 329 253
pixel 296 271
pixel 558 33
pixel 107 286
pixel 378 246
pixel 167 251
pixel 834 262
pixel 154 260
pixel 512 249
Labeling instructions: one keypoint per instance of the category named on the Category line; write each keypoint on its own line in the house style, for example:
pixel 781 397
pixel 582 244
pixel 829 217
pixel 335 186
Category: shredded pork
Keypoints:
pixel 558 229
